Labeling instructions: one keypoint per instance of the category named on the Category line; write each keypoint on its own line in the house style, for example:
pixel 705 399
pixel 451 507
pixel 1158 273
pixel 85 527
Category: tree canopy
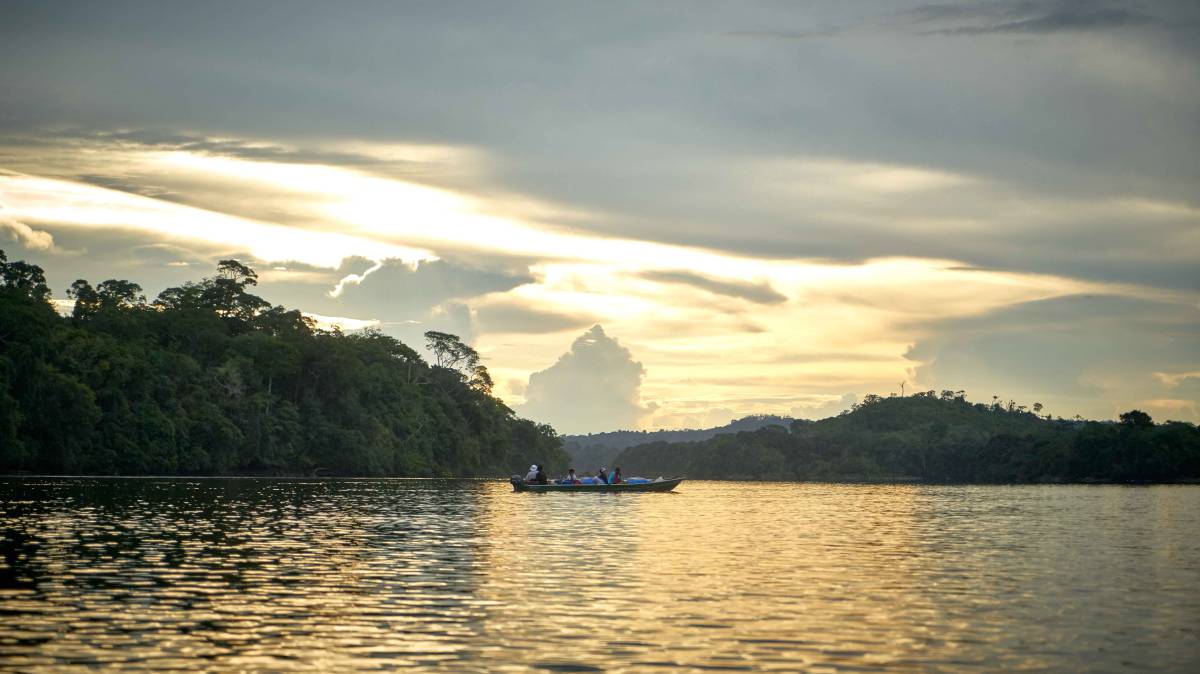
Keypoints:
pixel 212 379
pixel 937 437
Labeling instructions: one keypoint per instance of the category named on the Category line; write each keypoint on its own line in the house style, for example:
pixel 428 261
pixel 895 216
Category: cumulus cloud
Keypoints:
pixel 595 386
pixel 31 238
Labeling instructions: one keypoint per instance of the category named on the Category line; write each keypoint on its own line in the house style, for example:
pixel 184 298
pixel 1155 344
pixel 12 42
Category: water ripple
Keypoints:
pixel 319 575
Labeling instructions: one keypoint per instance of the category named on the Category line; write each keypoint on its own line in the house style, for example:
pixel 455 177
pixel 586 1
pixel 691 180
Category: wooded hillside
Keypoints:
pixel 209 379
pixel 936 437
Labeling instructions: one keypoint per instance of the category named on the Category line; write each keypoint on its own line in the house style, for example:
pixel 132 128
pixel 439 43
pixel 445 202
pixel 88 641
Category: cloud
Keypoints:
pixel 784 34
pixel 594 386
pixel 1174 379
pixel 27 236
pixel 388 159
pixel 1026 17
pixel 824 406
pixel 404 300
pixel 1096 355
pixel 71 204
pixel 341 323
pixel 395 289
pixel 354 278
pixel 759 293
pixel 511 317
pixel 646 144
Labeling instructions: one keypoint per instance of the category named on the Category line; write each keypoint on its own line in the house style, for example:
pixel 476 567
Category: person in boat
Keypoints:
pixel 602 475
pixel 541 478
pixel 531 476
pixel 572 478
pixel 616 476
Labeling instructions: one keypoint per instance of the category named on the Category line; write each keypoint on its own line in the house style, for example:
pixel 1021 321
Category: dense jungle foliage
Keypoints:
pixel 936 437
pixel 209 379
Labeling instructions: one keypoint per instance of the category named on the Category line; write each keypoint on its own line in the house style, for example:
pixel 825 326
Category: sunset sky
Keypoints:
pixel 770 207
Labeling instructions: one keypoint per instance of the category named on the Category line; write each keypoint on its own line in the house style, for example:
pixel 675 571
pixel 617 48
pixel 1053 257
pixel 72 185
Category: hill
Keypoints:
pixel 210 379
pixel 935 438
pixel 590 452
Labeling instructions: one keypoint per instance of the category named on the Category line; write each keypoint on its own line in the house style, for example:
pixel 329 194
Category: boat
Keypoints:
pixel 656 485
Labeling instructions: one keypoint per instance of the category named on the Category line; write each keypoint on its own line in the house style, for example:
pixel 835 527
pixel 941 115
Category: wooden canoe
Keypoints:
pixel 665 485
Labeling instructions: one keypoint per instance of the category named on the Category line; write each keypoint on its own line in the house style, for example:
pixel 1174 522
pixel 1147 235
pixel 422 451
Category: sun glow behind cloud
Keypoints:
pixel 70 204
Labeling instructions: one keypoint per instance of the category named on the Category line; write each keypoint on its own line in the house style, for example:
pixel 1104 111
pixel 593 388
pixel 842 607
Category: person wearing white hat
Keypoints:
pixel 531 476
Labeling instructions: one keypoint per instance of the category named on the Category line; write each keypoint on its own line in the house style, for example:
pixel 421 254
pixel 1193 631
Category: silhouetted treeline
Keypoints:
pixel 937 438
pixel 591 451
pixel 211 379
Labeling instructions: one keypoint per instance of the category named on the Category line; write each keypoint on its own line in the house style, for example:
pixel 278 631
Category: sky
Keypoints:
pixel 647 215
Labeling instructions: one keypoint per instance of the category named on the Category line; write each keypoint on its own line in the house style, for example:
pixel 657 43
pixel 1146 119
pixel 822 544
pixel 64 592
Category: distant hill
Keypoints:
pixel 591 451
pixel 935 438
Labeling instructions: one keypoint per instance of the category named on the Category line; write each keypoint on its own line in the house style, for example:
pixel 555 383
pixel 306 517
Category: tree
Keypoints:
pixel 26 278
pixel 236 273
pixel 450 352
pixel 120 294
pixel 216 381
pixel 1137 419
pixel 481 380
pixel 87 300
pixel 226 292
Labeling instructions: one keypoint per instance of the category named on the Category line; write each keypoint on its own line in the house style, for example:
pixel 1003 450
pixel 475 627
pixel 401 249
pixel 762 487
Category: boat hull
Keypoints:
pixel 665 485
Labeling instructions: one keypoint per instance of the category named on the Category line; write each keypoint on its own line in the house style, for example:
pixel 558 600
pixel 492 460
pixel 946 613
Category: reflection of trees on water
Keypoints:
pixel 243 571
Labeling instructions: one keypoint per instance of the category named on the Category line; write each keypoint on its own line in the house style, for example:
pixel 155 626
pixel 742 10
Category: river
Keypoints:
pixel 460 575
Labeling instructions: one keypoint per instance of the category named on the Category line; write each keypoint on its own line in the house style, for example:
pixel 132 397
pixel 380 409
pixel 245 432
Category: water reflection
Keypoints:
pixel 464 575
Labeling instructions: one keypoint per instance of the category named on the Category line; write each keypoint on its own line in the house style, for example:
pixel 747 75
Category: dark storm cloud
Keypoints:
pixel 759 293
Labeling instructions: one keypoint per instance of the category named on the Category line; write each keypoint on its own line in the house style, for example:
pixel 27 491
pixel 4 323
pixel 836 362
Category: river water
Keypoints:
pixel 343 575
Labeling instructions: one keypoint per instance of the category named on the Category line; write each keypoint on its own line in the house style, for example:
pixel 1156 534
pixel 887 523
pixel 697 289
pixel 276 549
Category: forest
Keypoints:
pixel 936 437
pixel 210 379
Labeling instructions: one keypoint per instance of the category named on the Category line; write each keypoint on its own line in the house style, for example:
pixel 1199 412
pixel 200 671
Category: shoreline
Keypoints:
pixel 863 481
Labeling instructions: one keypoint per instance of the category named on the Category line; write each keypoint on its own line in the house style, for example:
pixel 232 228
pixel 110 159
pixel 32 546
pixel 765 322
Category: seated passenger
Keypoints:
pixel 616 476
pixel 572 478
pixel 541 478
pixel 602 475
pixel 532 474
